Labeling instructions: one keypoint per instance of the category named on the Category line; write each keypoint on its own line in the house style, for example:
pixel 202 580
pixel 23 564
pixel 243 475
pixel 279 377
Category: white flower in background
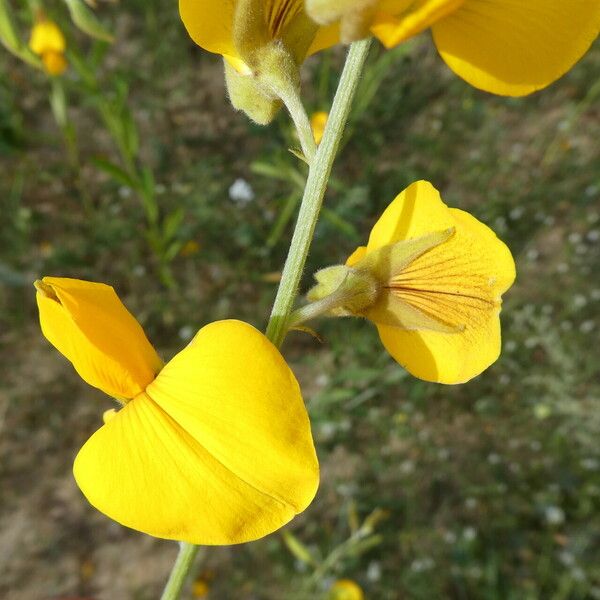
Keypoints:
pixel 241 192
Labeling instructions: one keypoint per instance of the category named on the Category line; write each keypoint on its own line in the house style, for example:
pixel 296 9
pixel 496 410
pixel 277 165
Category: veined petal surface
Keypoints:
pixel 91 327
pixel 515 47
pixel 458 284
pixel 217 451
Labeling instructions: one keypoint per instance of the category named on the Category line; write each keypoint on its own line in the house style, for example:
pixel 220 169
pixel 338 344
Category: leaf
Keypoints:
pixel 87 21
pixel 298 549
pixel 10 39
pixel 172 222
pixel 114 171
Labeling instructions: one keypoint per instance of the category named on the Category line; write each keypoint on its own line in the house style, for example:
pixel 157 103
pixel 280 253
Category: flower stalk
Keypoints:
pixel 182 566
pixel 314 192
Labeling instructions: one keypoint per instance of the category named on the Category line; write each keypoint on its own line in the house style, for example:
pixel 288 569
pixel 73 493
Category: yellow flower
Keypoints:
pixel 431 279
pixel 237 28
pixel 318 121
pixel 214 449
pixel 507 47
pixel 190 248
pixel 200 588
pixel 346 589
pixel 48 42
pixel 263 42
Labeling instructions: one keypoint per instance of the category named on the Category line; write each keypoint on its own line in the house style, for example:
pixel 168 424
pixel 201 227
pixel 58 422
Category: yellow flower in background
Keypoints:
pixel 214 449
pixel 431 279
pixel 507 47
pixel 318 121
pixel 48 42
pixel 200 588
pixel 346 589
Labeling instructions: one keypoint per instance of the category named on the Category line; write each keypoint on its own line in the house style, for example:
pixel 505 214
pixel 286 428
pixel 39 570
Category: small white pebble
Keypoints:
pixel 593 235
pixel 575 237
pixel 186 333
pixel 554 515
pixel 532 254
pixel 587 326
pixel 494 459
pixel 471 503
pixel 241 192
pixel 516 213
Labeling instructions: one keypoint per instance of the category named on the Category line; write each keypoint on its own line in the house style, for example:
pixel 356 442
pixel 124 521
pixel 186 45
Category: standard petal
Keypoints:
pixel 219 450
pixel 415 212
pixel 515 47
pixel 91 327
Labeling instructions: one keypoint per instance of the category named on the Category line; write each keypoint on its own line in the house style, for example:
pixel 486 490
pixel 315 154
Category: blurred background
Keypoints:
pixel 132 169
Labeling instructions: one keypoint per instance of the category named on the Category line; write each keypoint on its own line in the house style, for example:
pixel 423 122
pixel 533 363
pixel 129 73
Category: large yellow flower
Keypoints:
pixel 431 279
pixel 507 47
pixel 214 449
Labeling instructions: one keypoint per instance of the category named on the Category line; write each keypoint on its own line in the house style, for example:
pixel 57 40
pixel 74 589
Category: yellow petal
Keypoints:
pixel 346 589
pixel 415 212
pixel 357 255
pixel 318 121
pixel 514 47
pixel 325 38
pixel 210 24
pixel 47 37
pixel 89 325
pixel 399 20
pixel 55 63
pixel 457 283
pixel 218 451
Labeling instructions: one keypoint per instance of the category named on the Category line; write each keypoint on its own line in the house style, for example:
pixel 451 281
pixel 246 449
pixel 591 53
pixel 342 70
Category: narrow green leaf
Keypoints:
pixel 86 20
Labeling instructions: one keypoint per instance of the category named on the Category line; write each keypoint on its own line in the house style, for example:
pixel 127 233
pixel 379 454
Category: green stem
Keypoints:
pixel 314 192
pixel 320 307
pixel 181 568
pixel 292 101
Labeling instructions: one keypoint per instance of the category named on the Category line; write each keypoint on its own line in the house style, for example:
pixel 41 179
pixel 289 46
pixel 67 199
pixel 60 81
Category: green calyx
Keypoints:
pixel 271 48
pixel 250 96
pixel 271 76
pixel 344 291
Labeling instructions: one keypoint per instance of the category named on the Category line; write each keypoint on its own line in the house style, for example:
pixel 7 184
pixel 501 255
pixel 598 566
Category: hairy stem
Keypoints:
pixel 314 192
